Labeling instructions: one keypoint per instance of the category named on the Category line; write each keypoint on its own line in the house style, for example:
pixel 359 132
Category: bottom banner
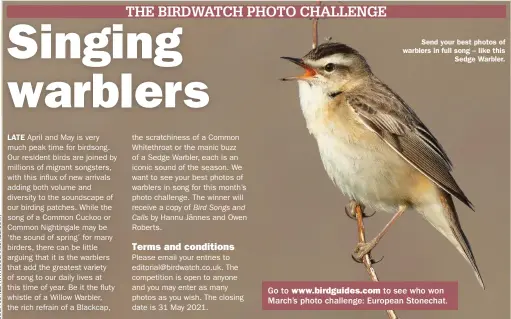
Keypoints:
pixel 310 295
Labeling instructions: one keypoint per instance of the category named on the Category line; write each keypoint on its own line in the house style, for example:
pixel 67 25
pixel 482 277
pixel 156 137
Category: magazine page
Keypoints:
pixel 255 160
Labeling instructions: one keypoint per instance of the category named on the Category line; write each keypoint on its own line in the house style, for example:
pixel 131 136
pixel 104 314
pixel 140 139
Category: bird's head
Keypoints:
pixel 332 66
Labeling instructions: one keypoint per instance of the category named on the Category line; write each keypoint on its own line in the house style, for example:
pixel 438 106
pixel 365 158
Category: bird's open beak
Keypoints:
pixel 309 71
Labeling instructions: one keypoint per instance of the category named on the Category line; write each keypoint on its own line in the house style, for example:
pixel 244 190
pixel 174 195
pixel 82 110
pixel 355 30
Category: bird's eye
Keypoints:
pixel 329 67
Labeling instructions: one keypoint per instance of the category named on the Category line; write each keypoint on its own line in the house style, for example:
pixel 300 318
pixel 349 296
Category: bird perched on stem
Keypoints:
pixel 374 147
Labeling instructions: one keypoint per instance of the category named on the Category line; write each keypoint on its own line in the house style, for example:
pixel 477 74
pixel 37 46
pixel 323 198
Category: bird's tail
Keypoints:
pixel 445 219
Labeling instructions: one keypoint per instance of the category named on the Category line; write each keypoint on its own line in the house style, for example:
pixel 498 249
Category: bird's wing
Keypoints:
pixel 385 113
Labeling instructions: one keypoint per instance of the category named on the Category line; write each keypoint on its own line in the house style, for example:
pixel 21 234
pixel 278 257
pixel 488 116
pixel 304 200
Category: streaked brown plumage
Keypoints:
pixel 373 145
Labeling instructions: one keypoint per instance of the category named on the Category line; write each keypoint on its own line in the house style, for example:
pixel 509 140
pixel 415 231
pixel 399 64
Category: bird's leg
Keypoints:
pixel 359 217
pixel 350 209
pixel 363 249
pixel 351 212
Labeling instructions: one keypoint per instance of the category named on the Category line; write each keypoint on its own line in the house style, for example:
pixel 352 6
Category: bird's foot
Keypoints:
pixel 363 249
pixel 351 212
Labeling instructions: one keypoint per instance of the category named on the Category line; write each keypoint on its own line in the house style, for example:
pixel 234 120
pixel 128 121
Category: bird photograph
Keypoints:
pixel 375 148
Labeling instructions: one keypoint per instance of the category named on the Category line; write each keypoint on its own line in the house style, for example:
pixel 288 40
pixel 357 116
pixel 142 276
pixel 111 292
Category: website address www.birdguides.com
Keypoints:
pixel 297 295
